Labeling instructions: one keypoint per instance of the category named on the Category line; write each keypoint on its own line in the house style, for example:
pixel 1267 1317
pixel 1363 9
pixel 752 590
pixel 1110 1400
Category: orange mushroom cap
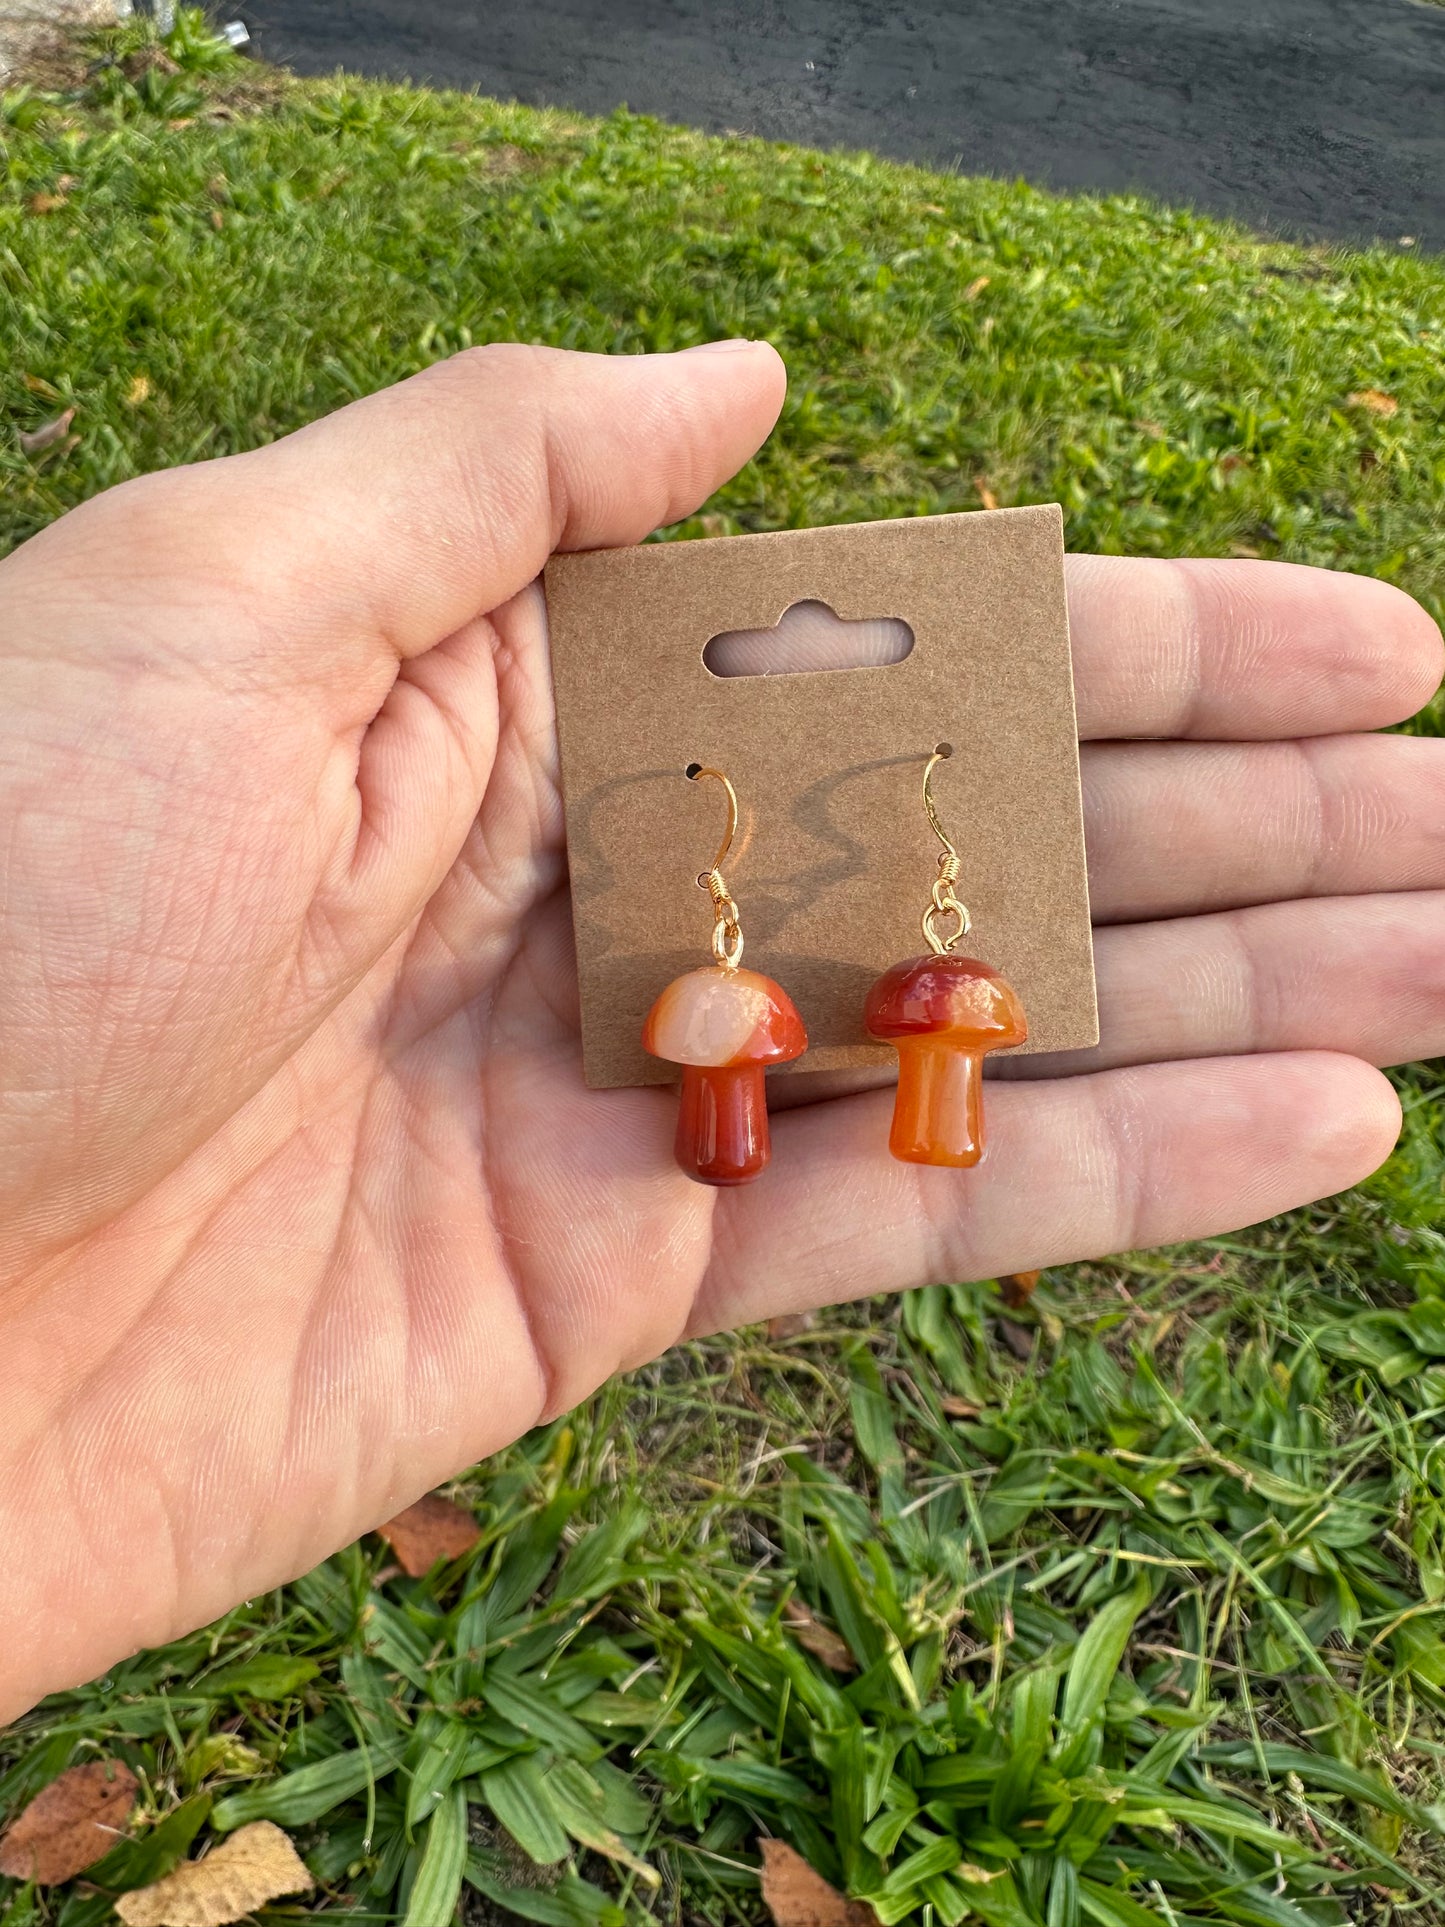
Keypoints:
pixel 720 1018
pixel 957 997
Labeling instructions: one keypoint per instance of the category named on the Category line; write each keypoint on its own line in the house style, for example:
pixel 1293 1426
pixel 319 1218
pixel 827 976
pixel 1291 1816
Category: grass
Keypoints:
pixel 1141 1590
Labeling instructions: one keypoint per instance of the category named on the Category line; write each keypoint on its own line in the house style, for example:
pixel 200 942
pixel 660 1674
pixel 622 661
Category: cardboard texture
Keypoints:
pixel 834 858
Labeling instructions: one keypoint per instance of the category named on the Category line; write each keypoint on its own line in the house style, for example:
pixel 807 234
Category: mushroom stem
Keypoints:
pixel 938 1113
pixel 722 1123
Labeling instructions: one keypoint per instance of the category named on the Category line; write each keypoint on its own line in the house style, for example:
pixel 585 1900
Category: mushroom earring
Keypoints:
pixel 942 1014
pixel 724 1026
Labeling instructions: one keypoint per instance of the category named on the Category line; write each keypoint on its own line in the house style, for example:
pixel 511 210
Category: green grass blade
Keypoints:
pixel 438 1884
pixel 517 1794
pixel 1319 1769
pixel 311 1791
pixel 1093 1668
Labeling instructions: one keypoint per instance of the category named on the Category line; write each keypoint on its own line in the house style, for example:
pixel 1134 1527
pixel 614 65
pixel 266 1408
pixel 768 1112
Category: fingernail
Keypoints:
pixel 721 347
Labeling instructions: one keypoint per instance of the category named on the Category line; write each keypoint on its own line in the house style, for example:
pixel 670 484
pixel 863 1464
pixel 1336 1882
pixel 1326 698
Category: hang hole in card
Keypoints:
pixel 834 857
pixel 809 638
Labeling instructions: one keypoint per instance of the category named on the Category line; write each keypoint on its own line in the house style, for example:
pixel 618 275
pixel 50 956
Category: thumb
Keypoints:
pixel 205 668
pixel 366 537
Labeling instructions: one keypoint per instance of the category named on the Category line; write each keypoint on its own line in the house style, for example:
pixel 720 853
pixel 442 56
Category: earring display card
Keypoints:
pixel 834 858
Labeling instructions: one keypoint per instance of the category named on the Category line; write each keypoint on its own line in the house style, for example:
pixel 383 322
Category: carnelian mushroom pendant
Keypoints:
pixel 943 1015
pixel 724 1027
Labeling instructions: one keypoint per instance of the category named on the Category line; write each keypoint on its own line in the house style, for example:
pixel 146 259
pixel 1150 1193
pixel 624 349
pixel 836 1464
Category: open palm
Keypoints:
pixel 303 1204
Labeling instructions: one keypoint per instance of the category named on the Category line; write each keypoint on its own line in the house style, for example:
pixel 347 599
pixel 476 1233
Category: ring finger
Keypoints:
pixel 1178 828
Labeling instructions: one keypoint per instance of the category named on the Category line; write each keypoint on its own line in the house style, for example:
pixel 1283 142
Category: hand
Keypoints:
pixel 303 1205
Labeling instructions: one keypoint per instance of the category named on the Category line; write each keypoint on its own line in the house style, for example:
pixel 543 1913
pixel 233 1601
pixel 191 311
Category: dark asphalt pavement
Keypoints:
pixel 1316 117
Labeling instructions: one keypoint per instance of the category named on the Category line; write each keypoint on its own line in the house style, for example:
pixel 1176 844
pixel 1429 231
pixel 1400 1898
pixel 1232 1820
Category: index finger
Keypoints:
pixel 1243 650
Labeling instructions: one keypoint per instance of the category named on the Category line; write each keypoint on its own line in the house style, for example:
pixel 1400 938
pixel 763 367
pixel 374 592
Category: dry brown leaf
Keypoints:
pixel 976 287
pixel 960 1407
pixel 798 1897
pixel 149 60
pixel 70 1824
pixel 986 494
pixel 38 385
pixel 789 1324
pixel 1374 400
pixel 1017 1287
pixel 51 202
pixel 139 391
pixel 1019 1340
pixel 48 434
pixel 431 1529
pixel 816 1638
pixel 258 1863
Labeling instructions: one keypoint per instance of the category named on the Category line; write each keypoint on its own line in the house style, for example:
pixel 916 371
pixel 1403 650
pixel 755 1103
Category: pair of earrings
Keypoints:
pixel 724 1025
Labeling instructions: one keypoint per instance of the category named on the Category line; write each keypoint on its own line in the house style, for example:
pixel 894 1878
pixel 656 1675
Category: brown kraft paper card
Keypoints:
pixel 834 859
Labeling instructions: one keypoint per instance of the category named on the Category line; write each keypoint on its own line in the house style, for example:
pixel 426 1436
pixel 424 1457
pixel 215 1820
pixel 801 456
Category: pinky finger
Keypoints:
pixel 1077 1168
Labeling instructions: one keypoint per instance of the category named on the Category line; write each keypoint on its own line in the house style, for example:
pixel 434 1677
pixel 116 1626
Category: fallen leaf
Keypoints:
pixel 1375 400
pixel 986 494
pixel 47 435
pixel 1017 1287
pixel 960 1407
pixel 218 220
pixel 816 1638
pixel 70 1824
pixel 38 385
pixel 976 287
pixel 1019 1341
pixel 258 1863
pixel 798 1897
pixel 50 202
pixel 139 391
pixel 1229 463
pixel 148 60
pixel 431 1529
pixel 789 1324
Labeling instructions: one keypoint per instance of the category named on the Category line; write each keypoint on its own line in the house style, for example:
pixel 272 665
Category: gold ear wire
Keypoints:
pixel 943 902
pixel 695 773
pixel 727 936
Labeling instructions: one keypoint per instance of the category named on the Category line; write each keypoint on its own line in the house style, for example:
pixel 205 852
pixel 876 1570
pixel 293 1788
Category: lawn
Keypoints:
pixel 1124 1607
